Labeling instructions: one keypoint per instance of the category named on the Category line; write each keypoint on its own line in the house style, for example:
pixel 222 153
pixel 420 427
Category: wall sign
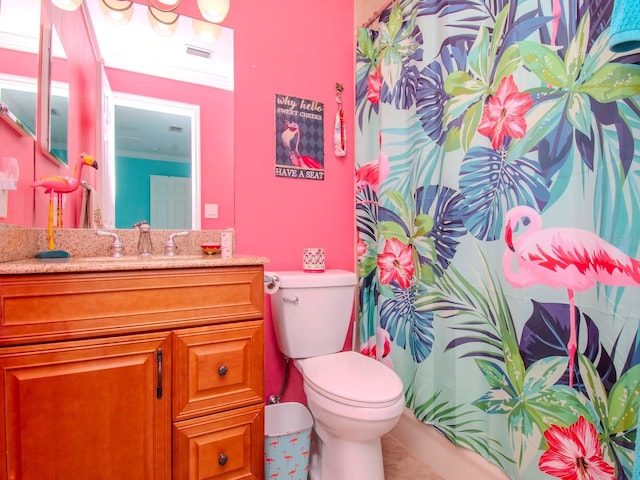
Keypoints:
pixel 299 138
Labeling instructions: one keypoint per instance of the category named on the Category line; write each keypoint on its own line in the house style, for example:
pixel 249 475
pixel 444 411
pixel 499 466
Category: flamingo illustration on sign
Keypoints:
pixel 567 258
pixel 291 140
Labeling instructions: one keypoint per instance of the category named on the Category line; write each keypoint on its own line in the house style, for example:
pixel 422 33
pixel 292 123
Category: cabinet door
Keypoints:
pixel 94 409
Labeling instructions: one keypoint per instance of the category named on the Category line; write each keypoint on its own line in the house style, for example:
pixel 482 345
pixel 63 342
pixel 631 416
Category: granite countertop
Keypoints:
pixel 107 264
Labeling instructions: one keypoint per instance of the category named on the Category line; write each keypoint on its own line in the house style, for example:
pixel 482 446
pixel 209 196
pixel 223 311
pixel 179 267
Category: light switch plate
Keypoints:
pixel 210 210
pixel 4 201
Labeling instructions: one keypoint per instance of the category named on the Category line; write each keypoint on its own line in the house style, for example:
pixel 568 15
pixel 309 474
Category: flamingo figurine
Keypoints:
pixel 567 258
pixel 56 184
pixel 291 133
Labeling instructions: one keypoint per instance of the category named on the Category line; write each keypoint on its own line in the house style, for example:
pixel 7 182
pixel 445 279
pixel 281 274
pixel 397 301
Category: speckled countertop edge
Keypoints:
pixel 108 264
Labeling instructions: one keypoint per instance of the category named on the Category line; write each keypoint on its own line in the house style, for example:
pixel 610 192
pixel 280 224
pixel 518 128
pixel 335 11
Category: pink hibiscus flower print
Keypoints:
pixel 361 249
pixel 574 453
pixel 395 263
pixel 503 114
pixel 374 84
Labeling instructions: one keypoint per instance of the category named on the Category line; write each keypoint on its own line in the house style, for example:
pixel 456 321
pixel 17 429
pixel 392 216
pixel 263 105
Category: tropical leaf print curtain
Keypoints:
pixel 498 215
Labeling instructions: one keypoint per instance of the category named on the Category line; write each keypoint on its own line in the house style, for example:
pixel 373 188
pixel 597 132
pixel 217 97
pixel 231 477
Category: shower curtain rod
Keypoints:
pixel 377 13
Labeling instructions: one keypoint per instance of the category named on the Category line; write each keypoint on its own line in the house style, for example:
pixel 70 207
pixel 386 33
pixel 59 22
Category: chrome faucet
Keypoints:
pixel 117 247
pixel 170 245
pixel 145 247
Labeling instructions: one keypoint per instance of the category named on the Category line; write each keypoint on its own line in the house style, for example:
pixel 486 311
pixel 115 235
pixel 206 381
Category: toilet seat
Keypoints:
pixel 352 379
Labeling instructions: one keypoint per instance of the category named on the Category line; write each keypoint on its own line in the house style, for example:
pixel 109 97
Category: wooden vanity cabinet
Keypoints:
pixel 168 389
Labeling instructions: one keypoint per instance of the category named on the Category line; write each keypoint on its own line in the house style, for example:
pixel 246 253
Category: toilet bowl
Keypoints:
pixel 353 399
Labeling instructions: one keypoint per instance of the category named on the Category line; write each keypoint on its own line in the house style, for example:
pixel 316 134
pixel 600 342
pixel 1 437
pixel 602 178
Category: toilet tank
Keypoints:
pixel 312 311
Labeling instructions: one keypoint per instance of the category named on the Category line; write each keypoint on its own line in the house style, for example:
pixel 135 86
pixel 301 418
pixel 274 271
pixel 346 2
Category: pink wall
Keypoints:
pixel 300 49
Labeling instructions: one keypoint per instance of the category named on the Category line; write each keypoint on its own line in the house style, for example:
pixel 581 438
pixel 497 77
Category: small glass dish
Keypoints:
pixel 210 248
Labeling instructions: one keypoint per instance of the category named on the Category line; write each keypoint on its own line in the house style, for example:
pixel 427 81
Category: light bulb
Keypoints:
pixel 164 5
pixel 117 11
pixel 163 23
pixel 206 32
pixel 68 5
pixel 214 10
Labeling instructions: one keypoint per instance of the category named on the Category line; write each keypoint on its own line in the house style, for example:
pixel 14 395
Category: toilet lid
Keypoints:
pixel 353 379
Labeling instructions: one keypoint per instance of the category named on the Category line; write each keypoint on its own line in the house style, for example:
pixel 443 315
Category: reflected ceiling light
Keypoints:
pixel 117 11
pixel 164 5
pixel 205 31
pixel 214 10
pixel 68 5
pixel 163 23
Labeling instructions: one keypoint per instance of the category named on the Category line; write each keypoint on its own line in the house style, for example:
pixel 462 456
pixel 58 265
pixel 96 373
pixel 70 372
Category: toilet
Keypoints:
pixel 353 399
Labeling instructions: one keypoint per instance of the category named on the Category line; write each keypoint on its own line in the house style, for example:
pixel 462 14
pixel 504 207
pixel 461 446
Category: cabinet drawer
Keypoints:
pixel 217 368
pixel 224 446
pixel 42 307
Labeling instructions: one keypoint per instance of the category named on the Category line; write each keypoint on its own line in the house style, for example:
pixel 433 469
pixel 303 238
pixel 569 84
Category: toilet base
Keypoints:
pixel 334 458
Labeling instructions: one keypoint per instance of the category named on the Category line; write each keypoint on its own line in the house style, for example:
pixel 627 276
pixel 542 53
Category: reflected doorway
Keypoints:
pixel 156 149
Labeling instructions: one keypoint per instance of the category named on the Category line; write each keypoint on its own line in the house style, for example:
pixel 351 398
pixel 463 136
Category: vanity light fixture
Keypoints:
pixel 117 11
pixel 205 31
pixel 164 5
pixel 163 23
pixel 68 5
pixel 214 10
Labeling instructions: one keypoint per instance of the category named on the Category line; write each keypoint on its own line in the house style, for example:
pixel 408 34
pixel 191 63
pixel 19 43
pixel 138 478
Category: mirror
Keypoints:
pixel 175 83
pixel 53 96
pixel 19 34
pixel 159 187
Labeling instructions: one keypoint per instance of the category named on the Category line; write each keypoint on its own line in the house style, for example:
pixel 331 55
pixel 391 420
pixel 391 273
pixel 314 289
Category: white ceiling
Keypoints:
pixel 136 47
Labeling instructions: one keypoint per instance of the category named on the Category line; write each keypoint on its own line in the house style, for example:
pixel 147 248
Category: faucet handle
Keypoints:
pixel 170 246
pixel 117 247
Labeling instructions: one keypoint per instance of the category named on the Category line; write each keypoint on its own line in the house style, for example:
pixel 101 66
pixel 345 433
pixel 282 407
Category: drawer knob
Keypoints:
pixel 222 370
pixel 223 459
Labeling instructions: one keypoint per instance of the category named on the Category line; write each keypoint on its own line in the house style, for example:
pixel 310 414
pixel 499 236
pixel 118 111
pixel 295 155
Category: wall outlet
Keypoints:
pixel 210 210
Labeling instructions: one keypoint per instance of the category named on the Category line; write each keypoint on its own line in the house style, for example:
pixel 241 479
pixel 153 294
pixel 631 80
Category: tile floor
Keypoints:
pixel 400 464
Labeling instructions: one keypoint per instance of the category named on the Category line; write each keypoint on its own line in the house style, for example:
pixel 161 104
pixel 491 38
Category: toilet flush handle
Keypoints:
pixel 293 300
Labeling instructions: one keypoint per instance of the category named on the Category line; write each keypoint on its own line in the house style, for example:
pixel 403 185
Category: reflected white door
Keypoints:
pixel 170 200
pixel 107 159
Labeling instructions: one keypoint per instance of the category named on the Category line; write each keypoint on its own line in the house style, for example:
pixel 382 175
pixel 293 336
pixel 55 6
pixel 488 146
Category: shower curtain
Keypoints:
pixel 498 216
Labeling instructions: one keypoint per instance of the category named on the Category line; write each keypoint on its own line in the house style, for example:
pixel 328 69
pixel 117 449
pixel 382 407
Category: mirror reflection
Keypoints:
pixel 19 34
pixel 54 95
pixel 155 186
pixel 195 74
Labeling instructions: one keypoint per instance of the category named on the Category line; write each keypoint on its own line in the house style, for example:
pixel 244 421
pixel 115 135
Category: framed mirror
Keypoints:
pixel 183 83
pixel 19 44
pixel 53 97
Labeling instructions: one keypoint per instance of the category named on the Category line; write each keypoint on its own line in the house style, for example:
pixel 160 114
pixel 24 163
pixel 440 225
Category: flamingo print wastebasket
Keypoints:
pixel 287 441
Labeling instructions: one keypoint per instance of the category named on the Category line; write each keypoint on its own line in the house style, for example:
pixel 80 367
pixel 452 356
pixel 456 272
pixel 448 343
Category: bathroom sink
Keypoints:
pixel 136 259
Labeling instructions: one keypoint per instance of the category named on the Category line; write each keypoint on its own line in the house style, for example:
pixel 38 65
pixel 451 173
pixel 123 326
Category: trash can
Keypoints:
pixel 287 441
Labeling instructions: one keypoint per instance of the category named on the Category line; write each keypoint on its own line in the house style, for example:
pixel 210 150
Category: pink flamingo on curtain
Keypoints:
pixel 567 258
pixel 374 172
